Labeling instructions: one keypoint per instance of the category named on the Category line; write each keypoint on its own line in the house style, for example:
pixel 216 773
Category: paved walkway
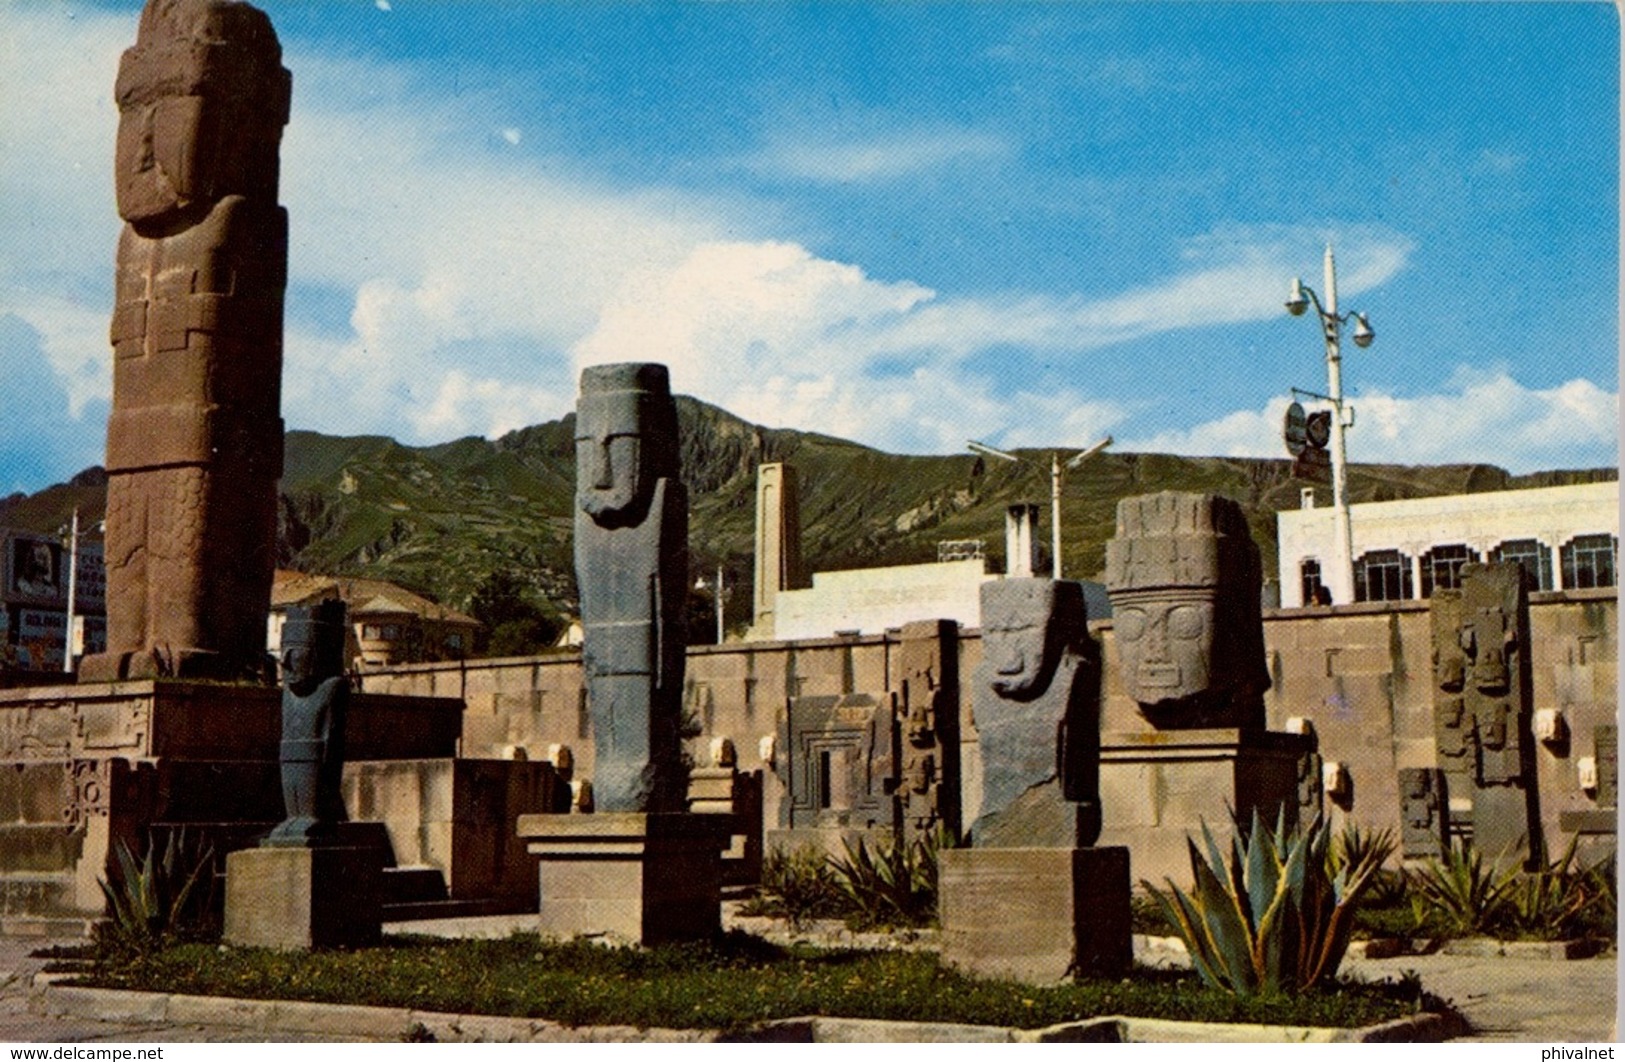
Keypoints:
pixel 1506 999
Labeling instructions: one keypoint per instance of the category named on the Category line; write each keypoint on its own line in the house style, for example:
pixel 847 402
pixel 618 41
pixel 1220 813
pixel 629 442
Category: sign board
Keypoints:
pixel 90 579
pixel 1314 464
pixel 1295 429
pixel 1318 429
pixel 34 569
pixel 41 638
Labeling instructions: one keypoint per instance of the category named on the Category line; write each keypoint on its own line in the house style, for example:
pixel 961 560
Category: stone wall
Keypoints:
pixel 1359 674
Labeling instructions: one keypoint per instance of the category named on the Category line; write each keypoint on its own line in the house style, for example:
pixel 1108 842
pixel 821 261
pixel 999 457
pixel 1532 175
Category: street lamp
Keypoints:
pixel 1331 324
pixel 721 596
pixel 71 532
pixel 1055 467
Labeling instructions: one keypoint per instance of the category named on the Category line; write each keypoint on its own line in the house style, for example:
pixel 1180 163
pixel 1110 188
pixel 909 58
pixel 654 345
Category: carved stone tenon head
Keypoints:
pixel 626 439
pixel 1184 578
pixel 1026 623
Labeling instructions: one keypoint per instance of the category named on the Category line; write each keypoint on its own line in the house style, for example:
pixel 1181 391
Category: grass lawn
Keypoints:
pixel 730 984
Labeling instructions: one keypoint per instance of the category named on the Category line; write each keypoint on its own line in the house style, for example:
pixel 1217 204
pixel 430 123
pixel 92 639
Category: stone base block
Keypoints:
pixel 1159 787
pixel 304 897
pixel 647 878
pixel 1036 914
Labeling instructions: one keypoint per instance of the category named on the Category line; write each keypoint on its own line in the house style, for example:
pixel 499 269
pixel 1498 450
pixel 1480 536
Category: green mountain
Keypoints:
pixel 440 519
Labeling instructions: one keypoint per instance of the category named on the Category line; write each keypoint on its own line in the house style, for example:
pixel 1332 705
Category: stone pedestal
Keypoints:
pixel 304 897
pixel 1158 787
pixel 646 878
pixel 1036 914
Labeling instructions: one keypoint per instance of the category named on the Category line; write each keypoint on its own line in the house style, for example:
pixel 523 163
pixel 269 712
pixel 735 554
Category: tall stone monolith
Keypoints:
pixel 194 441
pixel 639 867
pixel 1033 898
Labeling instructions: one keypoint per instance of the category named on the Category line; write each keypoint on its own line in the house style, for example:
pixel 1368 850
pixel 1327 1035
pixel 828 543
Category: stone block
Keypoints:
pixel 303 897
pixel 645 878
pixel 1036 914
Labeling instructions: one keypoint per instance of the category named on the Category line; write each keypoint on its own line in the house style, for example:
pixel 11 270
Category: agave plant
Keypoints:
pixel 1548 902
pixel 152 899
pixel 896 885
pixel 1275 915
pixel 1458 893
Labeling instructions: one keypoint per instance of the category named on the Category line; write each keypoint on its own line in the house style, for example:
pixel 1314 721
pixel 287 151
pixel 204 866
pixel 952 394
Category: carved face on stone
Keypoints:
pixel 312 645
pixel 1019 643
pixel 202 100
pixel 1164 643
pixel 620 448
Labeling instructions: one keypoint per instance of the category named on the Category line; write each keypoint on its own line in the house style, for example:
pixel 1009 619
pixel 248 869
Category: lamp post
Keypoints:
pixel 1055 468
pixel 1331 324
pixel 721 596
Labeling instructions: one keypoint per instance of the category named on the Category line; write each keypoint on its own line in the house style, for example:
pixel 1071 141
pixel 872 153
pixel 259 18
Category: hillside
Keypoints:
pixel 438 519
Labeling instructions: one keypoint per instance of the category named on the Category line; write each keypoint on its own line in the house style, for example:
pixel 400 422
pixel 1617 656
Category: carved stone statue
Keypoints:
pixel 1184 578
pixel 631 551
pixel 1036 706
pixel 315 697
pixel 194 442
pixel 926 705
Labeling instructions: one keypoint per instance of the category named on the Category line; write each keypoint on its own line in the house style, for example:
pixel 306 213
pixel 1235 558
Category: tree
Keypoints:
pixel 514 625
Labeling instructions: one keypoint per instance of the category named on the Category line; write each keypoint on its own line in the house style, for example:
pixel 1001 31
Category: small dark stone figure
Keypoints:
pixel 631 553
pixel 1037 717
pixel 315 697
pixel 1184 577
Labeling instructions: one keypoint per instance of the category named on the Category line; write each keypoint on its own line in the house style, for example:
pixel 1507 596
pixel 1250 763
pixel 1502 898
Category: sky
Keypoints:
pixel 1032 224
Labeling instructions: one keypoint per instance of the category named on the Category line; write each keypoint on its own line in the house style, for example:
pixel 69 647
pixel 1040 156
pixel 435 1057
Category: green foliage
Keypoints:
pixel 728 984
pixel 514 624
pixel 798 885
pixel 1458 893
pixel 895 886
pixel 161 898
pixel 1275 916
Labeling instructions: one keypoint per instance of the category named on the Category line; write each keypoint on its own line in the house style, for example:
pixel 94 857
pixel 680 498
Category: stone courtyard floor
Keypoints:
pixel 1525 1000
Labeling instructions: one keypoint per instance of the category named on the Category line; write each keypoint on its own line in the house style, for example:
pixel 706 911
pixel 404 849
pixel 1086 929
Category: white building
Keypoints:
pixel 871 600
pixel 1566 537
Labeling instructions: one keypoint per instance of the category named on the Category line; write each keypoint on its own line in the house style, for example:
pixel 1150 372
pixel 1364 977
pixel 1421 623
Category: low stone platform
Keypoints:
pixel 642 878
pixel 300 898
pixel 1038 915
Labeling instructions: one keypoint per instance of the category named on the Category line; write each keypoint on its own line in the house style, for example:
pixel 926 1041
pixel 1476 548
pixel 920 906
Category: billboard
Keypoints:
pixel 34 569
pixel 41 636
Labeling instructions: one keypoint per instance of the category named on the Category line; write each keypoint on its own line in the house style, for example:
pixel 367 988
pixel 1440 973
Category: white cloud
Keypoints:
pixel 839 158
pixel 1573 424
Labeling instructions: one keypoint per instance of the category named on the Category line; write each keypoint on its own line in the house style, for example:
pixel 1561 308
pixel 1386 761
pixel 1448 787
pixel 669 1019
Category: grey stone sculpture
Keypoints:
pixel 631 554
pixel 315 698
pixel 1184 577
pixel 1037 717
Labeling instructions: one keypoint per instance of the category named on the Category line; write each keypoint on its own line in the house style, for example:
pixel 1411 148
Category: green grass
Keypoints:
pixel 731 984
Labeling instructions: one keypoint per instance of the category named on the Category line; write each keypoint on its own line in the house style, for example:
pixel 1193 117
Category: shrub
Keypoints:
pixel 1275 917
pixel 1457 893
pixel 1550 904
pixel 896 886
pixel 798 885
pixel 161 898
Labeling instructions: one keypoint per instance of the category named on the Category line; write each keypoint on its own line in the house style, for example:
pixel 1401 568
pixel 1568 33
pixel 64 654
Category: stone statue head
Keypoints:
pixel 202 100
pixel 1025 627
pixel 626 440
pixel 1184 578
pixel 313 645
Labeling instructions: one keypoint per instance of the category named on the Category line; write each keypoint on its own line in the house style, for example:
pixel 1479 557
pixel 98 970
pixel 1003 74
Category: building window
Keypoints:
pixel 1314 591
pixel 1535 558
pixel 454 642
pixel 1382 575
pixel 1441 568
pixel 1588 561
pixel 371 632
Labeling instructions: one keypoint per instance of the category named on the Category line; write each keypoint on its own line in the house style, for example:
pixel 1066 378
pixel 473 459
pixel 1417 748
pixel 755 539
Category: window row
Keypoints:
pixel 1587 561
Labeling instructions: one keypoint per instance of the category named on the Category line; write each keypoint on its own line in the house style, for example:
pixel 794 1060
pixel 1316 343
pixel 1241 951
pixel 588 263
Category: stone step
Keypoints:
pixel 425 910
pixel 38 895
pixel 32 847
pixel 410 885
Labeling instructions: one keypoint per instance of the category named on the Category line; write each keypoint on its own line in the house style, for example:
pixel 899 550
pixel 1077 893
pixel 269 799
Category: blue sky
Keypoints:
pixel 906 224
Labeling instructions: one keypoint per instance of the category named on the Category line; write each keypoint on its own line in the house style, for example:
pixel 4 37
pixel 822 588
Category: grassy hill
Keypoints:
pixel 439 519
